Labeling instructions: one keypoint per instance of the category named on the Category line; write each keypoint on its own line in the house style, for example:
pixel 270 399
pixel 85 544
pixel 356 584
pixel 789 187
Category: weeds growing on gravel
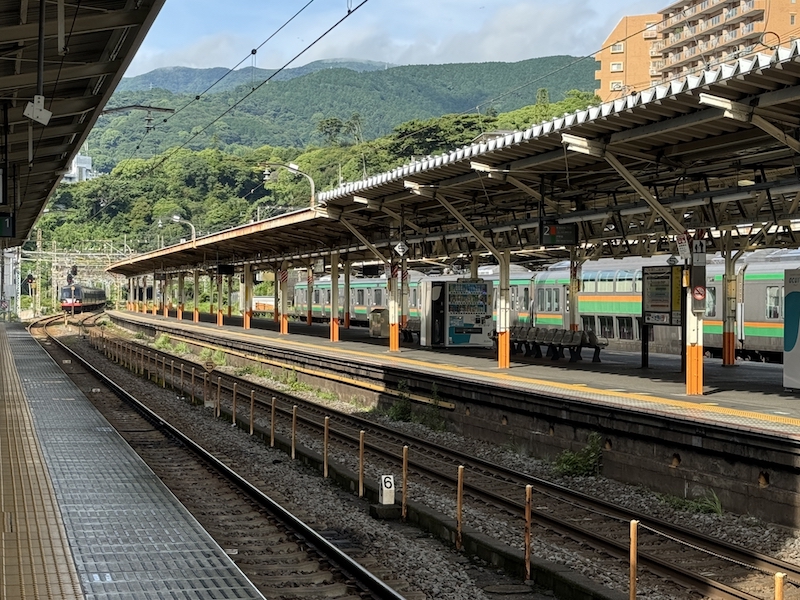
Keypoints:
pixel 708 504
pixel 162 342
pixel 586 461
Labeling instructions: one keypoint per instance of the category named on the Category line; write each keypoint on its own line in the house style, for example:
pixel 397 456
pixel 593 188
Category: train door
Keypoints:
pixel 740 300
pixel 437 313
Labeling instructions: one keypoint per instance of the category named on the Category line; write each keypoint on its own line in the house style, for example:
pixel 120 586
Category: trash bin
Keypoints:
pixel 379 323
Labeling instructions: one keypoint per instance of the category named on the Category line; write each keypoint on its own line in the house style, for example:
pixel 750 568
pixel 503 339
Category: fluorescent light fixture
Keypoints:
pixel 745 182
pixel 635 210
pixel 582 145
pixel 687 203
pixel 732 197
pixel 584 217
pixel 786 189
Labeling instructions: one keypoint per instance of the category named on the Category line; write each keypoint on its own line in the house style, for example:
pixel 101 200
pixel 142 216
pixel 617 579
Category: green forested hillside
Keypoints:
pixel 287 113
pixel 185 80
pixel 216 190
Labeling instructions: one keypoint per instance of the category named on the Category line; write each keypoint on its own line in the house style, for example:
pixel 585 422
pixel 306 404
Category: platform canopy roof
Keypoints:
pixel 81 69
pixel 716 154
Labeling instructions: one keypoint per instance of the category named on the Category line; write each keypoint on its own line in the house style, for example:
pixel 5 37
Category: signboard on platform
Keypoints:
pixel 661 295
pixel 558 234
pixel 7 226
pixel 791 329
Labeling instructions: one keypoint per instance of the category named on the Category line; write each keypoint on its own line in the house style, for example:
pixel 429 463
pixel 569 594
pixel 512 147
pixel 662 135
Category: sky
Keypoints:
pixel 210 33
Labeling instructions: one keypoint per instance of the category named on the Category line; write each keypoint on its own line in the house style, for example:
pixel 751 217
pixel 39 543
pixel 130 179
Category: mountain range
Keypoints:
pixel 242 110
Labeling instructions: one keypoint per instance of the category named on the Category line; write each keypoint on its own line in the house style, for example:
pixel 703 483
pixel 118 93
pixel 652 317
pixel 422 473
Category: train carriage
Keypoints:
pixel 77 298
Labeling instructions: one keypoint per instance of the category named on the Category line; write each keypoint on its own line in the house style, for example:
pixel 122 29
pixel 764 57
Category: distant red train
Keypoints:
pixel 79 298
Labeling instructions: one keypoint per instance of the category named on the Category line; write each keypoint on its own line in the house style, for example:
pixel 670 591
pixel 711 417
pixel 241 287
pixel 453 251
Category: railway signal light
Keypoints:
pixel 69 278
pixel 29 278
pixel 73 270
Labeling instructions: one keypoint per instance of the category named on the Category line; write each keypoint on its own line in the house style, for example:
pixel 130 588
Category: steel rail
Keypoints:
pixel 350 568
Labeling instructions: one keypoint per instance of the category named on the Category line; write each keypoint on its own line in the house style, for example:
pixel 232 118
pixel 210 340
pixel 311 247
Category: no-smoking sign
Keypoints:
pixel 699 292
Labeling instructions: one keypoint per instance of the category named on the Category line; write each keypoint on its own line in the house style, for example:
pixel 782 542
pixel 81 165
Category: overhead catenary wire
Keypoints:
pixel 250 55
pixel 263 83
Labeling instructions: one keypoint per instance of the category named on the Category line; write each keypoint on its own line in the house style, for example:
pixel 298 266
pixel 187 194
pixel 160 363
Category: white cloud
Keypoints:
pixel 399 32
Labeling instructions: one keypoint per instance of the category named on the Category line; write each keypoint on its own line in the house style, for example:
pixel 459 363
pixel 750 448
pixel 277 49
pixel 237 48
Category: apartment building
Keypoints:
pixel 690 36
pixel 627 62
pixel 697 35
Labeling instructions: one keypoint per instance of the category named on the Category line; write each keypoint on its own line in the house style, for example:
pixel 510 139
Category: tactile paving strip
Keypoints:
pixel 130 537
pixel 36 560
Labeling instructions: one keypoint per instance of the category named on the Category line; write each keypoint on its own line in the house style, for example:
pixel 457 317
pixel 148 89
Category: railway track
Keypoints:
pixel 281 555
pixel 704 566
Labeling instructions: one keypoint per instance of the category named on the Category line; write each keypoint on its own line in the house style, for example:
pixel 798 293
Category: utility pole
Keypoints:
pixel 37 306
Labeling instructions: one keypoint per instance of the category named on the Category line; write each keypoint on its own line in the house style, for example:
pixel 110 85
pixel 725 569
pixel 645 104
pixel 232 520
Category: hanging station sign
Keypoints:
pixel 558 234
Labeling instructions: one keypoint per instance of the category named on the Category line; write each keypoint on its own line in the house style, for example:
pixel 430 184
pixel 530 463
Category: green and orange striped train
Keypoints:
pixel 609 302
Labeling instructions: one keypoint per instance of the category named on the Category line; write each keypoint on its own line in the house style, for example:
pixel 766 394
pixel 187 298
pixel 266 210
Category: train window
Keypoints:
pixel 377 296
pixel 327 296
pixel 624 284
pixel 316 296
pixel 513 297
pixel 587 322
pixel 526 298
pixel 540 300
pixel 637 281
pixel 711 302
pixel 606 326
pixel 774 302
pixel 625 327
pixel 413 301
pixel 360 297
pixel 588 282
pixel 556 300
pixel 605 281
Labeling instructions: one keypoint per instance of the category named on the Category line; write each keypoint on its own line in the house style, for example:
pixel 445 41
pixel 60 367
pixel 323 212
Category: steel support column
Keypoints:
pixel 504 260
pixel 347 298
pixel 284 296
pixel 310 295
pixel 404 306
pixel 219 301
pixel 196 296
pixel 574 289
pixel 394 334
pixel 694 349
pixel 228 295
pixel 181 294
pixel 276 312
pixel 246 291
pixel 729 301
pixel 504 313
pixel 394 322
pixel 334 297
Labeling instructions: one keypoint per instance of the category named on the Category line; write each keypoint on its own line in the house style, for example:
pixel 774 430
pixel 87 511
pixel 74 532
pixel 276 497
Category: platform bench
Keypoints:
pixel 558 340
pixel 412 327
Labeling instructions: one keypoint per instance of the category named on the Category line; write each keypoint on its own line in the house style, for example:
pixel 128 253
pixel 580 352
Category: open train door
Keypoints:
pixel 740 300
pixel 432 312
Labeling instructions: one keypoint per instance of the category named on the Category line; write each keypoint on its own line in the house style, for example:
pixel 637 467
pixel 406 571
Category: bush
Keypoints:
pixel 586 461
pixel 181 348
pixel 400 410
pixel 219 358
pixel 162 342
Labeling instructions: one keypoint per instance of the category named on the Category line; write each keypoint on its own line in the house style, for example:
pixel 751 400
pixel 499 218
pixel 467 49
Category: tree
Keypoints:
pixel 354 127
pixel 330 128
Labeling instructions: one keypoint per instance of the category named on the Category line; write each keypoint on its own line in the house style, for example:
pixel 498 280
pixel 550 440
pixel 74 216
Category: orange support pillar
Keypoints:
pixel 694 352
pixel 180 312
pixel 504 349
pixel 334 297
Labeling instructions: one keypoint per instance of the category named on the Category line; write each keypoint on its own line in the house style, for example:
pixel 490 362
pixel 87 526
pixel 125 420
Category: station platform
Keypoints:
pixel 748 395
pixel 83 516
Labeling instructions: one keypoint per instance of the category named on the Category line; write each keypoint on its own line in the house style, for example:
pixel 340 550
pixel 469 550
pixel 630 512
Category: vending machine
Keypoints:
pixel 456 313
